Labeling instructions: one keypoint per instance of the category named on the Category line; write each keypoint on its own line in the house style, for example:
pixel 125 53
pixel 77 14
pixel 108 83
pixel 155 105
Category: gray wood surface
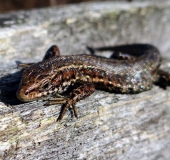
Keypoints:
pixel 110 126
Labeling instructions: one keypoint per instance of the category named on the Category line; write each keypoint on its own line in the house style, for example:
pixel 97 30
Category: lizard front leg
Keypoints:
pixel 80 92
pixel 51 52
pixel 77 94
pixel 56 99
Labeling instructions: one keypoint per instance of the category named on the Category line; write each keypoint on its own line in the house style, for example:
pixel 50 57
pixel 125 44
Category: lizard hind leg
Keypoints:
pixel 124 52
pixel 116 54
pixel 77 94
pixel 163 78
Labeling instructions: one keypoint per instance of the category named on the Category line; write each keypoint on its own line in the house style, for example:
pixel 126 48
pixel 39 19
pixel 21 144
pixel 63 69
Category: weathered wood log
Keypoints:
pixel 110 126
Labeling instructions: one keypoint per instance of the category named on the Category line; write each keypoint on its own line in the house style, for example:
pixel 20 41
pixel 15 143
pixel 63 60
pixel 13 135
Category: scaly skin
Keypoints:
pixel 132 69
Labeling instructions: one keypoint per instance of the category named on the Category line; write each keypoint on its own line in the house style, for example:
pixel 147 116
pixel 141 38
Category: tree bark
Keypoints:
pixel 110 126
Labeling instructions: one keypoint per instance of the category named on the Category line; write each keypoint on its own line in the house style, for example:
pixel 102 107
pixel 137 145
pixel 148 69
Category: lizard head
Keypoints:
pixel 36 83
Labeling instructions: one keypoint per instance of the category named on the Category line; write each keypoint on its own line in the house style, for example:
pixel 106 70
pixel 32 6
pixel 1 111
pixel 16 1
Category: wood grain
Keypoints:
pixel 110 126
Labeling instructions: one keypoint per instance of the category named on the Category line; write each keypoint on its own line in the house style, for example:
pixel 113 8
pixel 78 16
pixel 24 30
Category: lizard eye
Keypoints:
pixel 26 93
pixel 45 86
